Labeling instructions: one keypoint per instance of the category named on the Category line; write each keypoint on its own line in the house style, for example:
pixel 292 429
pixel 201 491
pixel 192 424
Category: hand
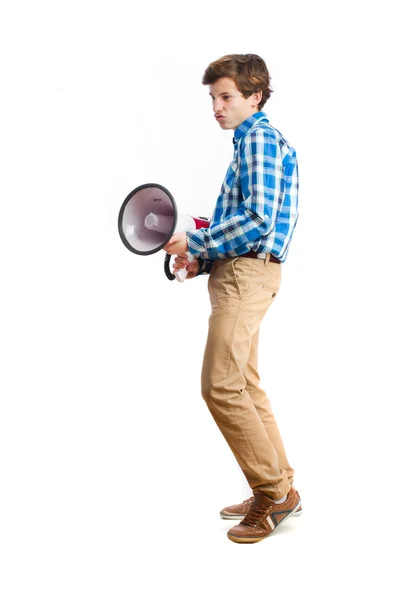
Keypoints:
pixel 181 261
pixel 177 244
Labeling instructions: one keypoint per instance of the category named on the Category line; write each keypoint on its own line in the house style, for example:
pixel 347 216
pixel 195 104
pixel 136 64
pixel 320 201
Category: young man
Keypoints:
pixel 242 250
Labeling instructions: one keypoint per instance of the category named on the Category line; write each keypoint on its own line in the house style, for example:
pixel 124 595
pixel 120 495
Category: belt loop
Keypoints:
pixel 266 259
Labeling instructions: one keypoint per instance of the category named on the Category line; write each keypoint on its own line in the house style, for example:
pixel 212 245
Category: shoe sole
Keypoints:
pixel 235 517
pixel 238 540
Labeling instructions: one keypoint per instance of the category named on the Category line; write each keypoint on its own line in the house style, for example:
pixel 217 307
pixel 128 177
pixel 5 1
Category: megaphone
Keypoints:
pixel 147 220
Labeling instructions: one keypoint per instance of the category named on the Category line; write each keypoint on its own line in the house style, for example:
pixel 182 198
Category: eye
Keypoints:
pixel 224 97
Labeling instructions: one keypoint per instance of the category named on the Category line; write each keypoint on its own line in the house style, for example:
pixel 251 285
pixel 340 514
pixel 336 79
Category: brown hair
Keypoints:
pixel 248 71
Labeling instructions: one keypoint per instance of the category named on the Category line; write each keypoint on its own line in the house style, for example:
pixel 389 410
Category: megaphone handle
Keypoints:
pixel 182 273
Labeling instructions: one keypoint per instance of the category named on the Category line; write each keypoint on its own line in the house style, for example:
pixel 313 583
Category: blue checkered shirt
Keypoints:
pixel 257 208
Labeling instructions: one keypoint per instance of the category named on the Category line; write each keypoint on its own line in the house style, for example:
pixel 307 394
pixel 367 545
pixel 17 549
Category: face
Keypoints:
pixel 229 105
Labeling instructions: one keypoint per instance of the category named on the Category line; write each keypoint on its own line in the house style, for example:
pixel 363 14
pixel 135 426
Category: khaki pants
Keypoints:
pixel 241 290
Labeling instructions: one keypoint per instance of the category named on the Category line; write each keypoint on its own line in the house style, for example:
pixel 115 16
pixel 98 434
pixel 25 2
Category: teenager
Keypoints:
pixel 243 250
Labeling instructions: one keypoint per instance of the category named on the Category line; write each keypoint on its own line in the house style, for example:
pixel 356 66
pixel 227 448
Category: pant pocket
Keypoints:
pixel 242 269
pixel 270 292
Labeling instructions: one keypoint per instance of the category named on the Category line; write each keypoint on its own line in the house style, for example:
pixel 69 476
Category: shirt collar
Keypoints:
pixel 248 124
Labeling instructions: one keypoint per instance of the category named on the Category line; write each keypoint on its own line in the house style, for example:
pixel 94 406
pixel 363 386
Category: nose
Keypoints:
pixel 216 105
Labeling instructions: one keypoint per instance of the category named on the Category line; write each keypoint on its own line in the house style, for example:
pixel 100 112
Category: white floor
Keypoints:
pixel 166 550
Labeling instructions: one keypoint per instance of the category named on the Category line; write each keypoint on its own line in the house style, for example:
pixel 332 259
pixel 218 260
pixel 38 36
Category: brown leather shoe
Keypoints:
pixel 299 510
pixel 239 511
pixel 263 518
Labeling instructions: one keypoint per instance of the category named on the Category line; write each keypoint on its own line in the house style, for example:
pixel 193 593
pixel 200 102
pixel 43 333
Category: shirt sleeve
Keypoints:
pixel 261 188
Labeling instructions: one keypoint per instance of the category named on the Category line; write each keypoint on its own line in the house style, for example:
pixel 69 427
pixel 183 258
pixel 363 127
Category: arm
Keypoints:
pixel 262 188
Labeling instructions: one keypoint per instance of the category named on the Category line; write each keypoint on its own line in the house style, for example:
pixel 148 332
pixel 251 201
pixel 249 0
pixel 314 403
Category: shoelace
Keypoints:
pixel 255 515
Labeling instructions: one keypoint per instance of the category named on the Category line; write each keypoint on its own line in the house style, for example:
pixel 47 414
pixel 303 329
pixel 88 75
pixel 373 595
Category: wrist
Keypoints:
pixel 201 265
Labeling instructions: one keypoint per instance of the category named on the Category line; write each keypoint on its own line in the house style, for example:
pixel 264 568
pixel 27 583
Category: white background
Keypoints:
pixel 112 470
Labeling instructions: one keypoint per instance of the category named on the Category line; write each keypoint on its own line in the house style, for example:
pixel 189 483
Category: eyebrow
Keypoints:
pixel 223 93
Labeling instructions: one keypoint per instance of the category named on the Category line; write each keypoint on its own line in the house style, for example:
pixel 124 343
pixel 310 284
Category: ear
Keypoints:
pixel 256 98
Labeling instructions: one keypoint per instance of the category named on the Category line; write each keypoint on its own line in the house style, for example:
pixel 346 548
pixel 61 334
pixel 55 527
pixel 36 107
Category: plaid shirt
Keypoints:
pixel 257 208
